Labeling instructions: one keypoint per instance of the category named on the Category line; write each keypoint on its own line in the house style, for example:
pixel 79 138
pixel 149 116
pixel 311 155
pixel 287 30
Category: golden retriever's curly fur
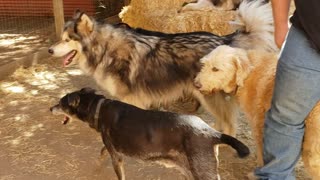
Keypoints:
pixel 249 75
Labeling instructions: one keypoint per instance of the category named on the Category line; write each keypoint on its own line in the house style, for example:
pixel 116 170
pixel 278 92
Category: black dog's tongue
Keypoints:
pixel 66 120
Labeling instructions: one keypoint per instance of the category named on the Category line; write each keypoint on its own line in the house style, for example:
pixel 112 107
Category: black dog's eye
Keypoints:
pixel 214 69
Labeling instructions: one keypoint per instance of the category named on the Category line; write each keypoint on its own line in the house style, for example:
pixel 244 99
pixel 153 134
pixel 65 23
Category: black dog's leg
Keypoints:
pixel 116 158
pixel 183 166
pixel 203 164
pixel 117 163
pixel 103 151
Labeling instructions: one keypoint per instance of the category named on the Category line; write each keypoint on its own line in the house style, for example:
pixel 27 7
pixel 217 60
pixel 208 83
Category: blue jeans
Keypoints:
pixel 296 91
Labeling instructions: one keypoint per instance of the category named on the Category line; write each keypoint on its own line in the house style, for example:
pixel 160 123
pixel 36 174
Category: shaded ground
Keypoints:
pixel 21 36
pixel 34 145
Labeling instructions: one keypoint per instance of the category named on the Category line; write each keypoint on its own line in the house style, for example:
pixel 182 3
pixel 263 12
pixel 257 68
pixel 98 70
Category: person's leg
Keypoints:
pixel 297 89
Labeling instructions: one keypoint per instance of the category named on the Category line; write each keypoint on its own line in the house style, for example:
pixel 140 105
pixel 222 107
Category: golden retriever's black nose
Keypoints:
pixel 197 84
pixel 50 51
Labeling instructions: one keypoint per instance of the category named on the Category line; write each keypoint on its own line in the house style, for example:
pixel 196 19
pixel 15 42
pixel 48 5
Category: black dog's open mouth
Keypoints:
pixel 65 120
pixel 69 57
pixel 56 110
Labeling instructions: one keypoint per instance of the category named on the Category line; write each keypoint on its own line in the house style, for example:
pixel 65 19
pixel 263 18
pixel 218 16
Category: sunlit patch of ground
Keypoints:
pixel 16 46
pixel 21 36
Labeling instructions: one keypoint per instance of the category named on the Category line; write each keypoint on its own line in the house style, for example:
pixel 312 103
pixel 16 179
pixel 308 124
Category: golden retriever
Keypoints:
pixel 249 76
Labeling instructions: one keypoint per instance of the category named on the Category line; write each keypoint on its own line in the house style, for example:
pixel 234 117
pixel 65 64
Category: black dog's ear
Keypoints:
pixel 73 100
pixel 87 90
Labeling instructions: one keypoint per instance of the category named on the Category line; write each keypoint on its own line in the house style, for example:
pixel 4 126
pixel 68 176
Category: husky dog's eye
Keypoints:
pixel 214 69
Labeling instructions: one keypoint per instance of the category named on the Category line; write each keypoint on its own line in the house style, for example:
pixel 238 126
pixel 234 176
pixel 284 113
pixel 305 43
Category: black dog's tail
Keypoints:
pixel 241 148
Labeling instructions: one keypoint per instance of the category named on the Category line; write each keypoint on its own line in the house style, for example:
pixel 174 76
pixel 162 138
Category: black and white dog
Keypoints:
pixel 181 141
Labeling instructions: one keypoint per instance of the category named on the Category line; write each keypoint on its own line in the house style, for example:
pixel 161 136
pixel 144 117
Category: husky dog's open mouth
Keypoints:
pixel 69 57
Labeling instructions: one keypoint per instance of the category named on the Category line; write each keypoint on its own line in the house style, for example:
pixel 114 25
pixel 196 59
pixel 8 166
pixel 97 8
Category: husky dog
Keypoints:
pixel 181 141
pixel 146 68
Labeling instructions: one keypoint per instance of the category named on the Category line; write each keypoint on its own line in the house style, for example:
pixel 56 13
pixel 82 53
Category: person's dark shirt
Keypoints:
pixel 307 18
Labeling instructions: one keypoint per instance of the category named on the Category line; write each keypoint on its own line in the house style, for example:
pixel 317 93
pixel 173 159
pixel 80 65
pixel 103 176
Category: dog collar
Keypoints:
pixel 96 115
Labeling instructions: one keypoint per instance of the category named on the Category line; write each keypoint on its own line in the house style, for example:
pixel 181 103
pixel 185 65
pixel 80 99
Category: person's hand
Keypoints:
pixel 280 33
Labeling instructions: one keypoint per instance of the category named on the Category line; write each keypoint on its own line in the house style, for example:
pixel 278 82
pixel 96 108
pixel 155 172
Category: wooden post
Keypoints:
pixel 58 16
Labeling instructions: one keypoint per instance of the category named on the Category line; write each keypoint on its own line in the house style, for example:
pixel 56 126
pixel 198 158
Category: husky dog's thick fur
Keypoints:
pixel 147 68
pixel 181 141
pixel 250 74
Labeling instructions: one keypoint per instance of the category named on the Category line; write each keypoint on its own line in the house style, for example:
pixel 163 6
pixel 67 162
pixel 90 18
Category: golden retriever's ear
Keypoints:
pixel 84 24
pixel 243 66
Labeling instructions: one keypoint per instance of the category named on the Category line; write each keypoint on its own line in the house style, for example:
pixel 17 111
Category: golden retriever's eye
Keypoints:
pixel 214 69
pixel 67 40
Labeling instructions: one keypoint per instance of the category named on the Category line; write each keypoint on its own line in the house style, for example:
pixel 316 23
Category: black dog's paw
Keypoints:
pixel 103 152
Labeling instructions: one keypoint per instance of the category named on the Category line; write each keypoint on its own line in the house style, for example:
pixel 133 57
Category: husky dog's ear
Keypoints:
pixel 73 99
pixel 87 90
pixel 84 25
pixel 242 63
pixel 77 14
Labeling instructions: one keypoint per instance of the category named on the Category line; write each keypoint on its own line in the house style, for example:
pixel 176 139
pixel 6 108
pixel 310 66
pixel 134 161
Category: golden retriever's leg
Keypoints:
pixel 258 136
pixel 224 110
pixel 257 125
pixel 311 143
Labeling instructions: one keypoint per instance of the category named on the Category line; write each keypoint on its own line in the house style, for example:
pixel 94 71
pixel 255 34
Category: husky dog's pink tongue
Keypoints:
pixel 68 57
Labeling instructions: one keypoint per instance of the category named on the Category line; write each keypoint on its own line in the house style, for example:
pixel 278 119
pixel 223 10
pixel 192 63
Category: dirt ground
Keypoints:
pixel 17 45
pixel 34 145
